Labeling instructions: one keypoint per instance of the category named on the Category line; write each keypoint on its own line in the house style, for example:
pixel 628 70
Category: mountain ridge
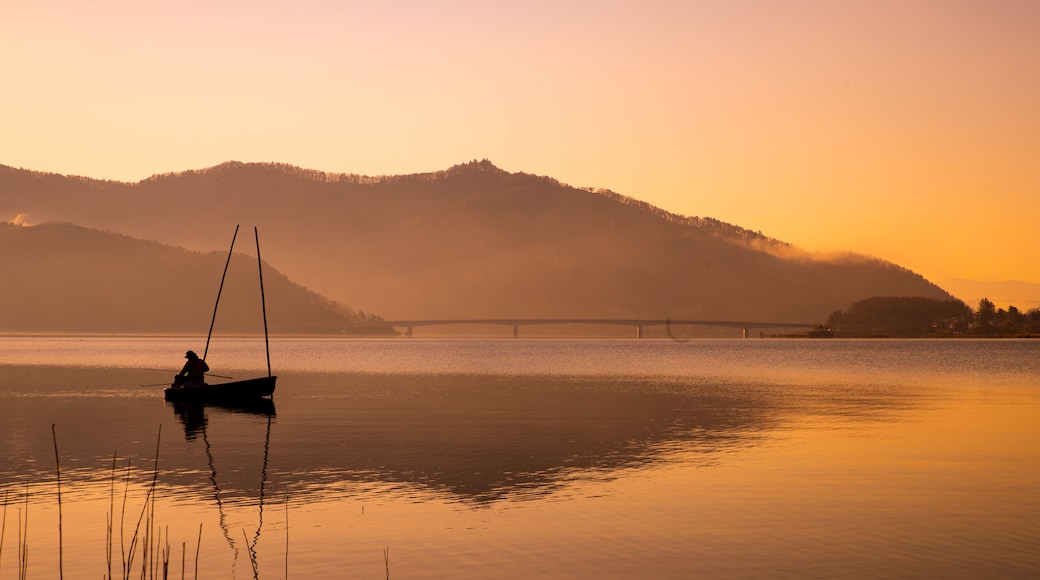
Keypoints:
pixel 67 278
pixel 472 241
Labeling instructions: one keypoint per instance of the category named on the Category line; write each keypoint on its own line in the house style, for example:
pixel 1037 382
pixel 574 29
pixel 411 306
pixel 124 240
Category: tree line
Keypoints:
pixel 926 317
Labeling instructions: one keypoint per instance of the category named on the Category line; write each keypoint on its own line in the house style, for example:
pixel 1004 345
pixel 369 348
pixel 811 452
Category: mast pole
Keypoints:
pixel 219 290
pixel 263 303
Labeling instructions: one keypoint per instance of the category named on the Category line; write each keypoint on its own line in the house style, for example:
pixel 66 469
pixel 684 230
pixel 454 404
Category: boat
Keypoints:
pixel 223 392
pixel 234 391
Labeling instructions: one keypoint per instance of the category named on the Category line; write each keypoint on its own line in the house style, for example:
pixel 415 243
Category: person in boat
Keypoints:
pixel 194 370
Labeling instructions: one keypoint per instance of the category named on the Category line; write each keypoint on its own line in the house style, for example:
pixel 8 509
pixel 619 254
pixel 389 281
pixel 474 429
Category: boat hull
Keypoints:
pixel 223 392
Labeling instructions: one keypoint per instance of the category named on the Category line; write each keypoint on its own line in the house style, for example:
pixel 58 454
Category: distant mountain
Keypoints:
pixel 67 278
pixel 472 241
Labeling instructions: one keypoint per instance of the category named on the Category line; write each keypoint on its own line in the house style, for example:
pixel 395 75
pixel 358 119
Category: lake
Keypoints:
pixel 437 458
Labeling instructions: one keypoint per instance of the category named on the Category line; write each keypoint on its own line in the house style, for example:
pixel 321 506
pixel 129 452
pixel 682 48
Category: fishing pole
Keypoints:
pixel 173 371
pixel 207 374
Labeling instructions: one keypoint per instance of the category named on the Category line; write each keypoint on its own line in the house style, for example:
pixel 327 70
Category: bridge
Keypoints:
pixel 637 323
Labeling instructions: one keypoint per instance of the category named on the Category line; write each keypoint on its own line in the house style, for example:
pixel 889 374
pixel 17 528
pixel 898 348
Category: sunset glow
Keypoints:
pixel 907 131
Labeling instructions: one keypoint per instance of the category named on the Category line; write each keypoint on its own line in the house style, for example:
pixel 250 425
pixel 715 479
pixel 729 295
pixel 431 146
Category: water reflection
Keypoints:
pixel 193 413
pixel 486 439
pixel 475 438
pixel 195 420
pixel 752 467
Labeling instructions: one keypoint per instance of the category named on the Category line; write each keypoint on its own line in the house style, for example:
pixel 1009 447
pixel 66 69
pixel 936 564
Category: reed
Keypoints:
pixel 166 556
pixel 136 540
pixel 197 547
pixel 111 515
pixel 57 465
pixel 3 527
pixel 23 538
pixel 153 537
pixel 122 521
pixel 149 545
pixel 252 555
pixel 286 536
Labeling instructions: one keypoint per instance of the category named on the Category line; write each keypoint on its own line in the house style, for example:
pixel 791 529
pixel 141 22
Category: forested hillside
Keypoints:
pixel 473 241
pixel 65 278
pixel 924 317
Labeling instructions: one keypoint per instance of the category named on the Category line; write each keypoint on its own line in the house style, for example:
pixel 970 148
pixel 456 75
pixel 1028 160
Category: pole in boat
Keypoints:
pixel 219 290
pixel 263 304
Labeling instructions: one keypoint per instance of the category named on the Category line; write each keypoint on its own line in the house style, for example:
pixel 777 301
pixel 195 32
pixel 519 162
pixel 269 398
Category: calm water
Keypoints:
pixel 530 458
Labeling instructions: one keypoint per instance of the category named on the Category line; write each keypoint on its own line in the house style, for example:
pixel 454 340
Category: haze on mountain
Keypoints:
pixel 472 241
pixel 67 278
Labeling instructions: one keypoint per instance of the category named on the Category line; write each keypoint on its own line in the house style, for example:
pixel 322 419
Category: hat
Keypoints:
pixel 190 354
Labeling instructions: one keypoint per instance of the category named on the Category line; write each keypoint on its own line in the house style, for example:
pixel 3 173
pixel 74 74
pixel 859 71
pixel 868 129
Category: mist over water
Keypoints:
pixel 523 458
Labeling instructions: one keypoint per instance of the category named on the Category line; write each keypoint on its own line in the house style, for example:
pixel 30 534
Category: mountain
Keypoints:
pixel 473 241
pixel 67 278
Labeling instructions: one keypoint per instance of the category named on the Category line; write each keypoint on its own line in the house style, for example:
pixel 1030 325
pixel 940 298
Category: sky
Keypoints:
pixel 904 129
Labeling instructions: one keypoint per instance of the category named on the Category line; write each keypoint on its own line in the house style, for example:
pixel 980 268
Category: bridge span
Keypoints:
pixel 637 323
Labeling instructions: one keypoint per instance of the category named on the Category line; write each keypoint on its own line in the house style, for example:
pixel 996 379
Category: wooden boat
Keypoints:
pixel 234 391
pixel 223 392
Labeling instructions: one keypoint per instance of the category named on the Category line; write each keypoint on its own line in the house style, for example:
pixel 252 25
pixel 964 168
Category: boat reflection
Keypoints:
pixel 193 413
pixel 195 420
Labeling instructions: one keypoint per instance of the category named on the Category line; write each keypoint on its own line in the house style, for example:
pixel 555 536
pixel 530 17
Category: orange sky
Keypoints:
pixel 903 129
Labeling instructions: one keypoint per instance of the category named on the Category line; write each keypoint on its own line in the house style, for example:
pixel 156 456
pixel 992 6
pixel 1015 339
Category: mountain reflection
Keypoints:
pixel 491 438
pixel 474 438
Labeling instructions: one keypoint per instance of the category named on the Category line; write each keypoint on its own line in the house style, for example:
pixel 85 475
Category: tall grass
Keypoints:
pixel 149 544
pixel 286 536
pixel 142 540
pixel 23 533
pixel 111 516
pixel 23 539
pixel 3 528
pixel 57 466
